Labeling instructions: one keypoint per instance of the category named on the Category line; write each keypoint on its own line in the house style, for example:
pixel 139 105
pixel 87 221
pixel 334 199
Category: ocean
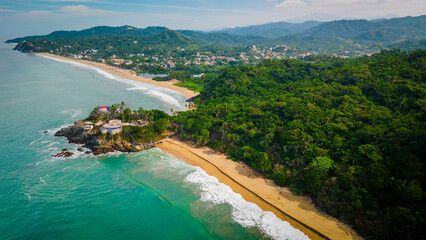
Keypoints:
pixel 145 195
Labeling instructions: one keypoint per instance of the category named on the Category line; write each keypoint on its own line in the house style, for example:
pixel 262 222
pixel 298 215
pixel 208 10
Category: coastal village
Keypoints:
pixel 178 59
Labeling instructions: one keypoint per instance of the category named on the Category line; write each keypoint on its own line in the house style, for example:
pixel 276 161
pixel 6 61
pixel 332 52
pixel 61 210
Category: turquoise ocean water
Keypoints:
pixel 145 195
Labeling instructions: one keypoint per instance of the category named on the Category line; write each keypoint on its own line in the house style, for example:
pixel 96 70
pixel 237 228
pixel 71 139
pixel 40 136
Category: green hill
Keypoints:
pixel 112 43
pixel 95 31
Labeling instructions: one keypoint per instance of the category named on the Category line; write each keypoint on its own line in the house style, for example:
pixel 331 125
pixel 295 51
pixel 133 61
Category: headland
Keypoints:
pixel 297 210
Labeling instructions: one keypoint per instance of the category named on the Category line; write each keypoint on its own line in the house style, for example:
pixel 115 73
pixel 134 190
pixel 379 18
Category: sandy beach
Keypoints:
pixel 129 74
pixel 297 210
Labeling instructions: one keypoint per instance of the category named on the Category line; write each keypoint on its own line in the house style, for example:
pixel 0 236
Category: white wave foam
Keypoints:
pixel 155 91
pixel 109 154
pixel 31 143
pixel 100 71
pixel 164 97
pixel 53 143
pixel 54 130
pixel 245 213
pixel 105 73
pixel 73 112
pixel 66 168
pixel 136 88
pixel 28 195
pixel 42 180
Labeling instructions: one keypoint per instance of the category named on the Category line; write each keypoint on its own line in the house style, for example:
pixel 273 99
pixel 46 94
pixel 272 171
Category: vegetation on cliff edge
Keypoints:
pixel 351 133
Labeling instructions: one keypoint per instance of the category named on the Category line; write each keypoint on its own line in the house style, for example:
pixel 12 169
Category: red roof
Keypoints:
pixel 103 107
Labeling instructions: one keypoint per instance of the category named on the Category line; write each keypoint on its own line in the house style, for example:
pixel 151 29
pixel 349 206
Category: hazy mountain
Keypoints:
pixel 397 29
pixel 380 18
pixel 319 17
pixel 271 30
pixel 346 35
pixel 225 38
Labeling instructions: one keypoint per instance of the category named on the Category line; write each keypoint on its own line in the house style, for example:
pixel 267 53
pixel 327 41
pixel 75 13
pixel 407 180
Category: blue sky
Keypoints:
pixel 29 17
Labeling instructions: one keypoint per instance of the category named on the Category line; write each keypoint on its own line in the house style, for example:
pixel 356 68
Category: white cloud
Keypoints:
pixel 291 4
pixel 34 13
pixel 6 10
pixel 350 9
pixel 82 10
pixel 76 1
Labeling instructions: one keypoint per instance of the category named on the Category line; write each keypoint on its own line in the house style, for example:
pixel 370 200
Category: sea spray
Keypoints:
pixel 245 213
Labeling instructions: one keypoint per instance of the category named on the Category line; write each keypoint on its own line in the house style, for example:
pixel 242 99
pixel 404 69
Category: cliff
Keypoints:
pixel 101 143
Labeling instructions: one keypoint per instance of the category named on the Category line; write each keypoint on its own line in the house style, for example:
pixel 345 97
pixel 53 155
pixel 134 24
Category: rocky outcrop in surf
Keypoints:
pixel 100 143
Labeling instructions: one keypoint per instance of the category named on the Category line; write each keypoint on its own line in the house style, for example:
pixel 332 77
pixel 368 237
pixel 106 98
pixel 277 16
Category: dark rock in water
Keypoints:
pixel 46 131
pixel 64 150
pixel 87 152
pixel 63 154
pixel 80 149
pixel 99 143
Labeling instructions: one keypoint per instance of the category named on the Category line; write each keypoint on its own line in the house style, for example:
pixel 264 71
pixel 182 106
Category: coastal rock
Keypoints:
pixel 100 143
pixel 64 153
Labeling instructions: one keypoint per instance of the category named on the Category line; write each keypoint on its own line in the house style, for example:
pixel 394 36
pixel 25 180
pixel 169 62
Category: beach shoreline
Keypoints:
pixel 129 74
pixel 297 210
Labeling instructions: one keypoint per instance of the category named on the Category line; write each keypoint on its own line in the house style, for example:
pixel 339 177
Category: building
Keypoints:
pixel 112 127
pixel 104 108
pixel 117 62
pixel 88 126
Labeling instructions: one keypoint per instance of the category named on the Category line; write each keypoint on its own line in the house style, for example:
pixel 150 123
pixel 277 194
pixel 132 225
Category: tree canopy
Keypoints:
pixel 349 133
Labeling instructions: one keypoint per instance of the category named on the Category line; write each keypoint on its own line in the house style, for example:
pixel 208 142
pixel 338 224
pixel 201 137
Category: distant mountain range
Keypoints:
pixel 311 35
pixel 396 29
pixel 272 30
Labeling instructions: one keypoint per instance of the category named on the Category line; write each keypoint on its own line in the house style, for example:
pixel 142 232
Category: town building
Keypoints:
pixel 104 108
pixel 88 126
pixel 112 127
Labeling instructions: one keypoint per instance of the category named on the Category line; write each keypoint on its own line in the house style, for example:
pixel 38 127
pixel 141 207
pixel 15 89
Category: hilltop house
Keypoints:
pixel 104 108
pixel 120 110
pixel 112 127
pixel 88 126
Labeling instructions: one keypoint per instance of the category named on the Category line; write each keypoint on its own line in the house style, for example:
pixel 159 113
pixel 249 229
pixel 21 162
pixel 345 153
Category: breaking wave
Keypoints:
pixel 100 71
pixel 164 97
pixel 146 88
pixel 245 213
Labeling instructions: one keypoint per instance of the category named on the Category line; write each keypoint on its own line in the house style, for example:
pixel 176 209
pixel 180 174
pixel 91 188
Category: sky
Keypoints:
pixel 38 17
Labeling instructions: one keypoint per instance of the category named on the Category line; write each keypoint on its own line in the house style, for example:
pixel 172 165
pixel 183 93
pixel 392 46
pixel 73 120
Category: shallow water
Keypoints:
pixel 146 195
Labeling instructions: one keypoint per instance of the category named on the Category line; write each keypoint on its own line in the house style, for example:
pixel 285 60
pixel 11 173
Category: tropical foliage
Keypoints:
pixel 349 133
